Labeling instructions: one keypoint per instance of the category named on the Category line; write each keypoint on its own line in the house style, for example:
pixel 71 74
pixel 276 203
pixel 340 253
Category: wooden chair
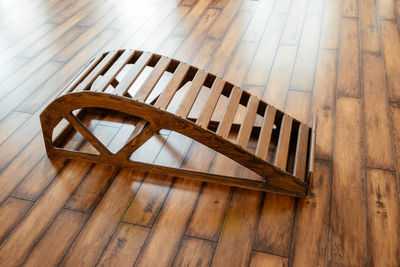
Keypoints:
pixel 269 142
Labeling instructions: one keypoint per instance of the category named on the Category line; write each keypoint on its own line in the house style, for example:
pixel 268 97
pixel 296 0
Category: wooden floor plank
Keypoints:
pixel 310 244
pixel 194 39
pixel 350 9
pixel 20 167
pixel 391 53
pixel 11 211
pixel 348 83
pixel 348 225
pixel 378 150
pixel 194 252
pixel 12 122
pixel 45 209
pixel 192 19
pixel 260 259
pixel 369 35
pixel 101 225
pixel 235 243
pixel 264 57
pixel 395 120
pixel 57 239
pixel 304 69
pixel 294 24
pixel 279 80
pixel 383 220
pixel 229 43
pixel 174 217
pixel 228 14
pixel 175 214
pixel 331 25
pixel 257 24
pixel 274 231
pixel 124 246
pixel 323 102
pixel 147 202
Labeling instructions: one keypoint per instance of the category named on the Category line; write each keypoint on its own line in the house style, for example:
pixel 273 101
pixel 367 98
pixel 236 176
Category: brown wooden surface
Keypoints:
pixel 351 218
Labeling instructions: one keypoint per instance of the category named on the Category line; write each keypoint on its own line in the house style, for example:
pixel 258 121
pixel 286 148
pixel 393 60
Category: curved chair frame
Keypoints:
pixel 89 90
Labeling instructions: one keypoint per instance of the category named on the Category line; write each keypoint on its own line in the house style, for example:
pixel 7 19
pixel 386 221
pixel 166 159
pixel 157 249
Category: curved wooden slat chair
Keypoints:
pixel 282 151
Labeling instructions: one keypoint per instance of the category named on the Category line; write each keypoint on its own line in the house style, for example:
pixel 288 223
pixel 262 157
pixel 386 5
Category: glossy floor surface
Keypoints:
pixel 339 59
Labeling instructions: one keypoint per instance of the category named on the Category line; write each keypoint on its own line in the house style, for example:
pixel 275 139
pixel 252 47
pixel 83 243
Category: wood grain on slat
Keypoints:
pixel 266 131
pixel 103 81
pixel 91 77
pixel 225 126
pixel 83 74
pixel 283 143
pixel 165 98
pixel 248 122
pixel 132 74
pixel 152 80
pixel 301 152
pixel 211 103
pixel 191 95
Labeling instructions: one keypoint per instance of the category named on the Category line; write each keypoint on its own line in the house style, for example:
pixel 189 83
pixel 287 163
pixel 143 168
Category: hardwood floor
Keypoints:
pixel 339 59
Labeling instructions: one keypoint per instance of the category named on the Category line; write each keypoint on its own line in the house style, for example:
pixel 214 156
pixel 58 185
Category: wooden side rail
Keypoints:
pixel 268 142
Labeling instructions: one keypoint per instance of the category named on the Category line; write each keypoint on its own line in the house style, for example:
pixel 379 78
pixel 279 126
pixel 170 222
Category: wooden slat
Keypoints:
pixel 301 152
pixel 102 82
pixel 132 74
pixel 248 122
pixel 179 75
pixel 283 143
pixel 266 131
pixel 104 63
pixel 211 103
pixel 76 80
pixel 230 112
pixel 191 95
pixel 152 80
